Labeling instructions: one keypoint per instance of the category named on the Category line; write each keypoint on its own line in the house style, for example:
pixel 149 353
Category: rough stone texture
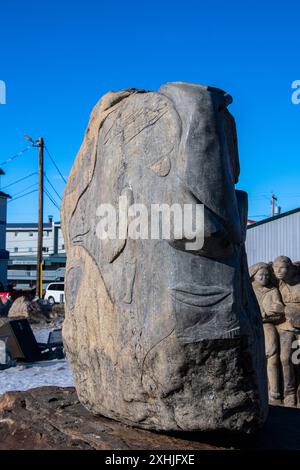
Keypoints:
pixel 156 335
pixel 53 418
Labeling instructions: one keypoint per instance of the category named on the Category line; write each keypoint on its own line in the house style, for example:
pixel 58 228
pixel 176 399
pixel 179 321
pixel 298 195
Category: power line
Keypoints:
pixel 25 189
pixel 51 199
pixel 19 154
pixel 21 179
pixel 52 159
pixel 52 186
pixel 289 195
pixel 26 194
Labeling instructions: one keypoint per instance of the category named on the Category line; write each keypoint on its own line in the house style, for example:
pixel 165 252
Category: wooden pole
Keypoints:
pixel 39 280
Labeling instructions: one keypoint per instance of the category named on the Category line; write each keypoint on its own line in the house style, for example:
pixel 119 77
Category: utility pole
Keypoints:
pixel 39 262
pixel 274 199
pixel 39 276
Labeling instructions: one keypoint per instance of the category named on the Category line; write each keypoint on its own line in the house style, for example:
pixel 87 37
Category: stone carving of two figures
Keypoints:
pixel 277 288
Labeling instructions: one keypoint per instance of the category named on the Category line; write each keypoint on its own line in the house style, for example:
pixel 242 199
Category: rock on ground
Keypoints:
pixel 35 311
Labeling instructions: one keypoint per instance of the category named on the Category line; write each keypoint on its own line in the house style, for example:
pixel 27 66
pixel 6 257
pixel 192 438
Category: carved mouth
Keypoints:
pixel 199 296
pixel 204 312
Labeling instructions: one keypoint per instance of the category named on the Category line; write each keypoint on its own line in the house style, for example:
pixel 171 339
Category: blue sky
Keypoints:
pixel 58 58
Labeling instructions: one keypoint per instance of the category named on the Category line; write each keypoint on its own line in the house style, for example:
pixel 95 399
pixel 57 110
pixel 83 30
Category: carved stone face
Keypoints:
pixel 262 277
pixel 283 270
pixel 178 146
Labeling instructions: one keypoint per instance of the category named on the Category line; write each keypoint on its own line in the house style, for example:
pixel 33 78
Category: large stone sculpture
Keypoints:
pixel 272 311
pixel 158 335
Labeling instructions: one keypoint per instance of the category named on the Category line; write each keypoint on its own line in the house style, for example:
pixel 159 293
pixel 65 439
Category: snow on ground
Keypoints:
pixel 41 333
pixel 37 374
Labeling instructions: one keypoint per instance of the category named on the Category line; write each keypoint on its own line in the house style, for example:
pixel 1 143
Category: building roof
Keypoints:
pixel 28 225
pixel 5 195
pixel 31 259
pixel 275 217
pixel 55 258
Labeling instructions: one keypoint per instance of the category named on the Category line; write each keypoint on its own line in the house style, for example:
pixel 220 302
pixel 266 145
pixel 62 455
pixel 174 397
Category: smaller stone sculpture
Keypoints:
pixel 289 286
pixel 277 289
pixel 272 311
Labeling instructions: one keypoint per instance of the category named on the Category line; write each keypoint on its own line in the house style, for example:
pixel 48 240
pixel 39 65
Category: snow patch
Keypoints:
pixel 36 374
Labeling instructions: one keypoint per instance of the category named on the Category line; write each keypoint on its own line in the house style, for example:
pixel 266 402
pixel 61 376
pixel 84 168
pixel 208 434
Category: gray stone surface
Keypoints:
pixel 156 335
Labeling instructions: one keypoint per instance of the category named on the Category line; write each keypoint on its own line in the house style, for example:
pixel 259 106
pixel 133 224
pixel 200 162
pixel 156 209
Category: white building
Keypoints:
pixel 21 242
pixel 275 236
pixel 21 239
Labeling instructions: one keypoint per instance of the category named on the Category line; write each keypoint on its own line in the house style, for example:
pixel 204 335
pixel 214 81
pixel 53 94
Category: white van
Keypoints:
pixel 55 293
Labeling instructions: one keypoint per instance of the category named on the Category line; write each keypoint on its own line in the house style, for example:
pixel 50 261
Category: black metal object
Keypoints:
pixel 22 345
pixel 55 338
pixel 54 348
pixel 21 341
